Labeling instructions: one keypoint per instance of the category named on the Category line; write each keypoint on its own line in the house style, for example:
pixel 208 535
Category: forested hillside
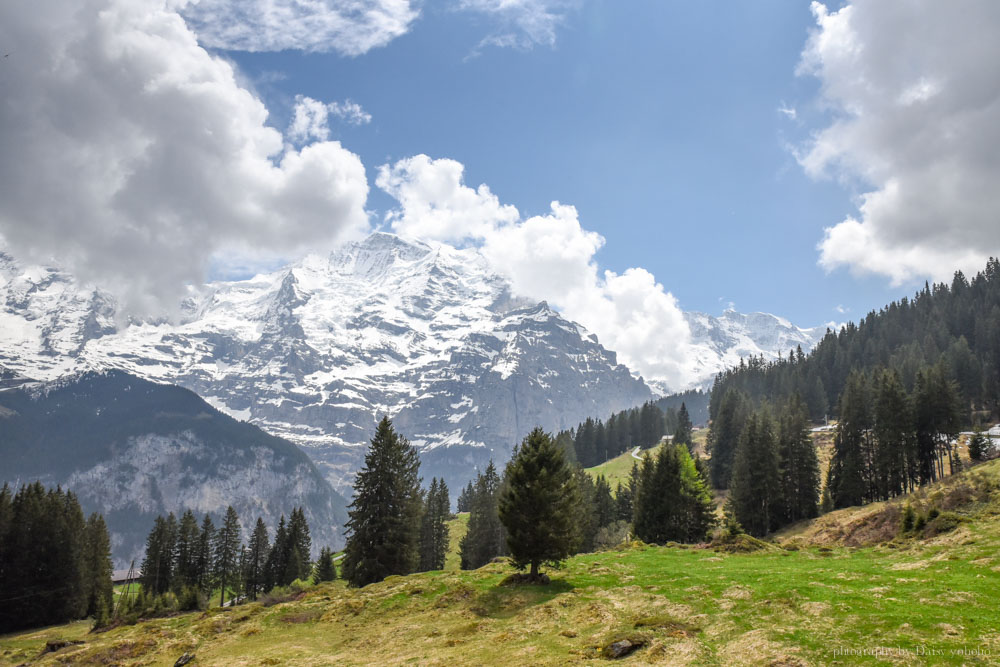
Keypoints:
pixel 956 327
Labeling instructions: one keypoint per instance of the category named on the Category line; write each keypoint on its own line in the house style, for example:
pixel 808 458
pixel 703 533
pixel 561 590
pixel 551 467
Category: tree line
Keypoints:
pixel 55 565
pixel 595 441
pixel 186 560
pixel 953 327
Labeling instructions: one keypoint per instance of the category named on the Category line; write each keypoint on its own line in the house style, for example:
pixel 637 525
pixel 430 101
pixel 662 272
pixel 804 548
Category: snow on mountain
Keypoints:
pixel 318 351
pixel 720 342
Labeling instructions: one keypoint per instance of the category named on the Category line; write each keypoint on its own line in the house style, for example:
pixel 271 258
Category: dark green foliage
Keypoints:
pixel 754 493
pixel 157 565
pixel 908 519
pixel 585 512
pixel 255 573
pixel 853 445
pixel 384 524
pixel 465 498
pixel 54 565
pixel 299 547
pixel 684 430
pixel 605 510
pixel 204 564
pixel 485 538
pixel 226 553
pixel 325 569
pixel 433 527
pixel 673 502
pixel 798 467
pixel 537 504
pixel 625 496
pixel 724 435
pixel 186 553
pixel 277 558
pixel 97 569
pixel 980 448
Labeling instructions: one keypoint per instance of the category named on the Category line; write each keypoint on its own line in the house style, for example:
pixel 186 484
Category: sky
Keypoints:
pixel 624 161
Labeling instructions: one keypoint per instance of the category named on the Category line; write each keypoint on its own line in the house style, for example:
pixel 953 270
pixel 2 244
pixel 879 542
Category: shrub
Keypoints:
pixel 909 518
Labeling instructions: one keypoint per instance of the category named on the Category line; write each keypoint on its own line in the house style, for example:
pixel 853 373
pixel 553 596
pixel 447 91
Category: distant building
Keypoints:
pixel 119 577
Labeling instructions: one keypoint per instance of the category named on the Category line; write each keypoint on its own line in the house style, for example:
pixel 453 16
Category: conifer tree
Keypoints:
pixel 895 464
pixel 299 547
pixel 604 504
pixel 979 447
pixel 185 571
pixel 685 429
pixel 724 435
pixel 97 566
pixel 257 552
pixel 434 530
pixel 277 558
pixel 846 477
pixel 586 512
pixel 204 563
pixel 673 503
pixel 325 569
pixel 484 538
pixel 465 498
pixel 754 494
pixel 798 466
pixel 384 524
pixel 537 504
pixel 158 561
pixel 226 553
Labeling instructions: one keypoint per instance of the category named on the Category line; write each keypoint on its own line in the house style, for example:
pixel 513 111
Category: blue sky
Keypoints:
pixel 659 121
pixel 811 160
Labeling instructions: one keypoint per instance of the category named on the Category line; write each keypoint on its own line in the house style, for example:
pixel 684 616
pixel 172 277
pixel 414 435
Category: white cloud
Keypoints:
pixel 914 90
pixel 350 27
pixel 788 111
pixel 350 112
pixel 523 24
pixel 547 257
pixel 310 118
pixel 133 157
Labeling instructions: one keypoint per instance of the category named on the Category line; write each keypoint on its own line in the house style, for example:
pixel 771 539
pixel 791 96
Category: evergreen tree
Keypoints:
pixel 299 548
pixel 724 435
pixel 754 491
pixel 484 538
pixel 433 529
pixel 846 477
pixel 798 465
pixel 537 504
pixel 979 447
pixel 673 503
pixel 685 429
pixel 226 553
pixel 277 558
pixel 185 571
pixel 625 495
pixel 384 524
pixel 97 567
pixel 257 552
pixel 465 498
pixel 895 465
pixel 325 569
pixel 605 511
pixel 204 563
pixel 158 561
pixel 586 512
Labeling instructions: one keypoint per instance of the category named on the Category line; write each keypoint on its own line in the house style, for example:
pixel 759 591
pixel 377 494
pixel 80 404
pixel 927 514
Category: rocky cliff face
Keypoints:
pixel 317 352
pixel 132 450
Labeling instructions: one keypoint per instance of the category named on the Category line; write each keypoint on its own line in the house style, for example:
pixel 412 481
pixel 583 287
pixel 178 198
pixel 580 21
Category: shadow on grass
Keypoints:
pixel 505 601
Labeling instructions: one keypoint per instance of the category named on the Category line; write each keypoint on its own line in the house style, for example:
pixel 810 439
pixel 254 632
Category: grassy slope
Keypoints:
pixel 690 605
pixel 617 469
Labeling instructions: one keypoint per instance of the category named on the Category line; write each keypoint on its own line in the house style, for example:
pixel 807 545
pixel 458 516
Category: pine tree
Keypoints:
pixel 724 435
pixel 979 447
pixel 673 503
pixel 895 464
pixel 465 498
pixel 586 512
pixel 847 478
pixel 257 552
pixel 185 571
pixel 798 465
pixel 484 538
pixel 299 547
pixel 754 490
pixel 384 524
pixel 325 569
pixel 97 567
pixel 685 429
pixel 277 558
pixel 434 530
pixel 204 562
pixel 226 553
pixel 158 561
pixel 537 504
pixel 604 504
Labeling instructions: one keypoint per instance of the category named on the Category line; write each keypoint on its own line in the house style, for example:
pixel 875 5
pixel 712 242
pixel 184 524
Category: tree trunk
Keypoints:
pixel 534 569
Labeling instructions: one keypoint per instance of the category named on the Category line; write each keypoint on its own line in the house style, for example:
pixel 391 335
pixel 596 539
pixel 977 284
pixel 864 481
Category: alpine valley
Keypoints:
pixel 317 351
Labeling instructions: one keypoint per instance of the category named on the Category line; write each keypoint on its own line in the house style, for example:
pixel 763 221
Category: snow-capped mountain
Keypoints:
pixel 718 343
pixel 316 352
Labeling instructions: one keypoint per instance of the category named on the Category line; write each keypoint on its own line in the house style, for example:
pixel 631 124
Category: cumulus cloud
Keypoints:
pixel 132 156
pixel 523 24
pixel 914 91
pixel 547 257
pixel 310 118
pixel 349 27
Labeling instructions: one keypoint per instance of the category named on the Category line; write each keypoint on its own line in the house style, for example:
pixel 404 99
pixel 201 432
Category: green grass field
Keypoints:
pixel 807 600
pixel 617 469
